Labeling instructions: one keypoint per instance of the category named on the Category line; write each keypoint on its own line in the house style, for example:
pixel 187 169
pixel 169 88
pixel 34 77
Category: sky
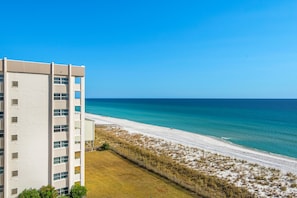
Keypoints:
pixel 161 48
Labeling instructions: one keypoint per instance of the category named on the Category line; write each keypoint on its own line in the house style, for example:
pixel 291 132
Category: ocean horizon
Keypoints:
pixel 269 125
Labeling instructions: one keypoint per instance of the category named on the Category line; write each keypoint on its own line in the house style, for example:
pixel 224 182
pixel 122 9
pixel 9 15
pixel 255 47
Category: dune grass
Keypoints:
pixel 109 175
pixel 130 147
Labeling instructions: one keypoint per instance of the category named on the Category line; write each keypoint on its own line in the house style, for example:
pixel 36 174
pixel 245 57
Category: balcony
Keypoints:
pixel 59 136
pixel 76 147
pixel 60 104
pixel 1 179
pixel 60 152
pixel 1 124
pixel 77 132
pixel 1 105
pixel 77 102
pixel 77 162
pixel 1 87
pixel 61 120
pixel 77 87
pixel 1 161
pixel 77 177
pixel 1 142
pixel 76 116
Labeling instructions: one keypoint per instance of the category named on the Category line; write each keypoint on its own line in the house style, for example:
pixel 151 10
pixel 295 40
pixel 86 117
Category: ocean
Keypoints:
pixel 264 124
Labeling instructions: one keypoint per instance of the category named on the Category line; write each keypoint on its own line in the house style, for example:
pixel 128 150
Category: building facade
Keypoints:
pixel 42 113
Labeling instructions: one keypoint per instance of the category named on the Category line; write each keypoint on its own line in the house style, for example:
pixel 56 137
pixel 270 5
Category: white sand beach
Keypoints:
pixel 262 173
pixel 285 164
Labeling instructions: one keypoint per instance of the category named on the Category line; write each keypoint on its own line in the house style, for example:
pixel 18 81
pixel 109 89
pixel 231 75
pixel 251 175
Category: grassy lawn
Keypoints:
pixel 109 175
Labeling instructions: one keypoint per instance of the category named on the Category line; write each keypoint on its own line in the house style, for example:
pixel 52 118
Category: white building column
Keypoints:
pixel 51 123
pixel 6 130
pixel 71 132
pixel 82 131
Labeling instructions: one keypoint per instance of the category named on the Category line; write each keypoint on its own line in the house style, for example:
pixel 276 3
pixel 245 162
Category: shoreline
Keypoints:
pixel 207 143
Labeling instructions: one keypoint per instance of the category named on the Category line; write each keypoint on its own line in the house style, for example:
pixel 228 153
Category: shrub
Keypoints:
pixel 48 192
pixel 105 146
pixel 78 191
pixel 283 188
pixel 29 193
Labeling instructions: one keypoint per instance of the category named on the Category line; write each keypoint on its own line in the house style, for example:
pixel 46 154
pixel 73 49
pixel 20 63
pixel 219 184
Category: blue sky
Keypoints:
pixel 161 49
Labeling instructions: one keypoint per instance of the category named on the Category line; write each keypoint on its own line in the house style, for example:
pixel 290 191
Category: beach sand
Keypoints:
pixel 285 164
pixel 260 172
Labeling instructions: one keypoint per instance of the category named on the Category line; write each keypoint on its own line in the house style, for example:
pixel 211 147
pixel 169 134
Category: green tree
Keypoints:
pixel 78 191
pixel 29 193
pixel 48 192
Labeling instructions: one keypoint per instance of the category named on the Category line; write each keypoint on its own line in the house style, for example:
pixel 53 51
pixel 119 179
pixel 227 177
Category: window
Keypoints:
pixel 77 139
pixel 14 102
pixel 1 133
pixel 56 80
pixel 1 96
pixel 57 176
pixel 63 159
pixel 60 128
pixel 64 112
pixel 64 143
pixel 14 173
pixel 57 112
pixel 77 155
pixel 57 144
pixel 77 94
pixel 60 144
pixel 56 96
pixel 62 175
pixel 14 191
pixel 14 137
pixel 14 119
pixel 63 191
pixel 77 170
pixel 15 155
pixel 60 96
pixel 1 151
pixel 77 80
pixel 60 112
pixel 1 78
pixel 1 114
pixel 64 96
pixel 61 80
pixel 64 81
pixel 77 109
pixel 1 170
pixel 15 83
pixel 57 160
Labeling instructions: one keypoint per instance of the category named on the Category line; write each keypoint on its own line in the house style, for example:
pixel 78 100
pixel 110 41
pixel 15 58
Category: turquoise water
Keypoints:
pixel 265 124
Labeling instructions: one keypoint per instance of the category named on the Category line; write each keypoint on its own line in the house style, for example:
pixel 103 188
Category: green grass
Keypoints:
pixel 201 183
pixel 109 175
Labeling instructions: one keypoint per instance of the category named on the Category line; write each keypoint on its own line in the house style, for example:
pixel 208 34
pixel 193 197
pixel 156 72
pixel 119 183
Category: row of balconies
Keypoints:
pixel 60 136
pixel 58 87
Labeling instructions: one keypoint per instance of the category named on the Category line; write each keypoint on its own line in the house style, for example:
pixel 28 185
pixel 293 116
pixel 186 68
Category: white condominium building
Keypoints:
pixel 42 113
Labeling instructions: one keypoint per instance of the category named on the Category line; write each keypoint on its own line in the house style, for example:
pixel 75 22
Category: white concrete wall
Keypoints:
pixel 32 129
